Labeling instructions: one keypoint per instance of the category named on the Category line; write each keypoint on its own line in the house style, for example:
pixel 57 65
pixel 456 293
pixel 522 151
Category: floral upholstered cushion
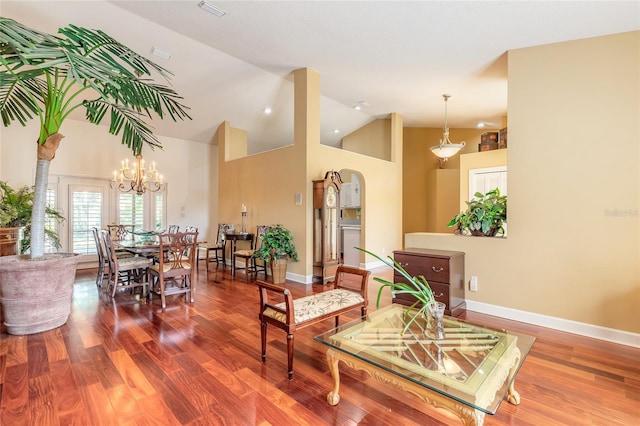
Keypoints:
pixel 316 305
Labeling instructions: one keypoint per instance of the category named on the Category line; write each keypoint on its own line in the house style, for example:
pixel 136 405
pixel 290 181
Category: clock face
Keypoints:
pixel 331 196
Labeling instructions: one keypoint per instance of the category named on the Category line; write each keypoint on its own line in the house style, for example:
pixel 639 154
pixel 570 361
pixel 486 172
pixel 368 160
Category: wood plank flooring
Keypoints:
pixel 123 361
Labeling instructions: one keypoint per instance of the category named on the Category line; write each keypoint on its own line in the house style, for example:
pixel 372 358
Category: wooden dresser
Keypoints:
pixel 443 270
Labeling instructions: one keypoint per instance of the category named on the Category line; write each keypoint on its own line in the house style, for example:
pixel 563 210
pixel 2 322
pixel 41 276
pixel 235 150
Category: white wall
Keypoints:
pixel 90 151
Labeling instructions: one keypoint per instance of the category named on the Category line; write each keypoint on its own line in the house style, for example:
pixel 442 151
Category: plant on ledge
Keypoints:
pixel 418 287
pixel 485 215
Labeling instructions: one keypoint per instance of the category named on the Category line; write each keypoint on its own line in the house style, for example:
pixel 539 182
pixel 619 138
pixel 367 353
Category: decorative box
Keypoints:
pixel 502 140
pixel 489 137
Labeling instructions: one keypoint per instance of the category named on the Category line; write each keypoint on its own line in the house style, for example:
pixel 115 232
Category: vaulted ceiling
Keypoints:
pixel 386 56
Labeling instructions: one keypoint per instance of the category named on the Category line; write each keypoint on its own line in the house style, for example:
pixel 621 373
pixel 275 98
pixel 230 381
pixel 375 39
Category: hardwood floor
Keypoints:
pixel 123 361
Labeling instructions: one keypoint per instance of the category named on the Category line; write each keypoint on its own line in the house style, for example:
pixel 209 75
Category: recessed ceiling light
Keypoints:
pixel 336 130
pixel 211 8
pixel 267 110
pixel 160 53
pixel 360 104
pixel 481 125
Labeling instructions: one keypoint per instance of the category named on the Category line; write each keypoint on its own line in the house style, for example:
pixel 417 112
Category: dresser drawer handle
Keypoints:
pixel 433 268
pixel 404 265
pixel 438 295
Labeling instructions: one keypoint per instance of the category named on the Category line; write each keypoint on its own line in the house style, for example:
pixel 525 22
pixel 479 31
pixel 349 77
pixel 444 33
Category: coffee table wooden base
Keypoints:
pixel 466 413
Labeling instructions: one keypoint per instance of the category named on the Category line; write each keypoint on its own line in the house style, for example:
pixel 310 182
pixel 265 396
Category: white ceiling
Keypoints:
pixel 397 56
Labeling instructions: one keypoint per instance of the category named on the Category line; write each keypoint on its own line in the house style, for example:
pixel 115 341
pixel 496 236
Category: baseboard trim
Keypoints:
pixel 583 329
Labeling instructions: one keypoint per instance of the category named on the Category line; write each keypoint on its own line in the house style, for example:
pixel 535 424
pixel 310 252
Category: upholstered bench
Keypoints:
pixel 344 294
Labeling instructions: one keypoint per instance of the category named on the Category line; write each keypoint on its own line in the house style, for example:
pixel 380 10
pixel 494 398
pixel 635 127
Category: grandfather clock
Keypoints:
pixel 326 227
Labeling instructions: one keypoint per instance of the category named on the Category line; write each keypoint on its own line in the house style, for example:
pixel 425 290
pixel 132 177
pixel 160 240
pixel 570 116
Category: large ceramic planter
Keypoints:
pixel 36 294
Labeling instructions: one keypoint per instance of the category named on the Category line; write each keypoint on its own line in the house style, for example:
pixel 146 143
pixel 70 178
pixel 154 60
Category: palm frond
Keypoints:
pixel 90 59
pixel 135 132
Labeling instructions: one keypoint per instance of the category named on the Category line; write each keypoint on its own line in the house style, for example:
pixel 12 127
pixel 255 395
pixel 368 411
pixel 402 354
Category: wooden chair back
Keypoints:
pixel 177 268
pixel 120 232
pixel 100 251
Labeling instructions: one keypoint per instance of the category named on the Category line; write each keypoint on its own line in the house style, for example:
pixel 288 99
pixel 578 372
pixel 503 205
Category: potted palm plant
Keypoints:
pixel 485 215
pixel 277 247
pixel 49 77
pixel 15 220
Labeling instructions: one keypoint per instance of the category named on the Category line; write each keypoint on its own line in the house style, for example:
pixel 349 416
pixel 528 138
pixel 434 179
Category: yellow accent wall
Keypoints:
pixel 424 210
pixel 267 182
pixel 573 249
pixel 372 139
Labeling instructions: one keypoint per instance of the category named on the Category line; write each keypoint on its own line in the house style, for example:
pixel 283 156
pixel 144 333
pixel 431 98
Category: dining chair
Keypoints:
pixel 102 259
pixel 126 272
pixel 173 229
pixel 174 273
pixel 250 265
pixel 217 247
pixel 120 233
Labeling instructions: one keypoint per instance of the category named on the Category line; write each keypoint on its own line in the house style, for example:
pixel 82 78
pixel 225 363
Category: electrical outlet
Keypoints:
pixel 473 284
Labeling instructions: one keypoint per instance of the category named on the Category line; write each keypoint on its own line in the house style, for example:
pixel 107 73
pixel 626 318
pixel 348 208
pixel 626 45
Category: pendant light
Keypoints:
pixel 445 148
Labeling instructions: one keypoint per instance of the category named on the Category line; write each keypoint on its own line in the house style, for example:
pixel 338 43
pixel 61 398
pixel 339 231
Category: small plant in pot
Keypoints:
pixel 16 206
pixel 276 247
pixel 426 306
pixel 485 215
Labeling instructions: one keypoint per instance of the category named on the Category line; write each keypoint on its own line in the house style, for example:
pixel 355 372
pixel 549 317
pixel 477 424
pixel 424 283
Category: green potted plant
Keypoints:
pixel 49 77
pixel 15 214
pixel 485 215
pixel 417 287
pixel 276 247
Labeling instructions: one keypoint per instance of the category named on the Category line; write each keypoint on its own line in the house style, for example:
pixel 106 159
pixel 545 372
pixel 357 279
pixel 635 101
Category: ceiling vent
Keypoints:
pixel 211 8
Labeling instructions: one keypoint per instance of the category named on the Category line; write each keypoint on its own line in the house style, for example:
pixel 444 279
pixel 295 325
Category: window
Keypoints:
pixel 51 224
pixel 90 202
pixel 160 216
pixel 484 180
pixel 86 213
pixel 146 211
pixel 131 210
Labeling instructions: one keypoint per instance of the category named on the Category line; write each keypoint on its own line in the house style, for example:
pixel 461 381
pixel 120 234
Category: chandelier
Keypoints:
pixel 445 148
pixel 137 179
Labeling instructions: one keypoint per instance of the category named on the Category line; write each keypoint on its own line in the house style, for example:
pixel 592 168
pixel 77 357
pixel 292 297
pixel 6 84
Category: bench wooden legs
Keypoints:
pixel 263 339
pixel 290 355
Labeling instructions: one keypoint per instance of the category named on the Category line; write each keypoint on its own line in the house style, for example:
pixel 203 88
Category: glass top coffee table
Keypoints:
pixel 468 373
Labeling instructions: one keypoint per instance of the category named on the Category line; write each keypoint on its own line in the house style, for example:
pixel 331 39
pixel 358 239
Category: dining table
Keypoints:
pixel 142 243
pixel 139 247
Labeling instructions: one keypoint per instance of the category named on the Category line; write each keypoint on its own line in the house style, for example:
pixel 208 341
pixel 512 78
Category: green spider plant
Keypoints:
pixel 418 287
pixel 50 77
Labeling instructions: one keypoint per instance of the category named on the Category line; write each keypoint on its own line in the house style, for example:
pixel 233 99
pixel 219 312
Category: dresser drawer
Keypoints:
pixel 443 270
pixel 440 292
pixel 432 268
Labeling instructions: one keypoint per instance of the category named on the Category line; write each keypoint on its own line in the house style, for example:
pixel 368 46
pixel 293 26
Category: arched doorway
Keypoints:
pixel 352 211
